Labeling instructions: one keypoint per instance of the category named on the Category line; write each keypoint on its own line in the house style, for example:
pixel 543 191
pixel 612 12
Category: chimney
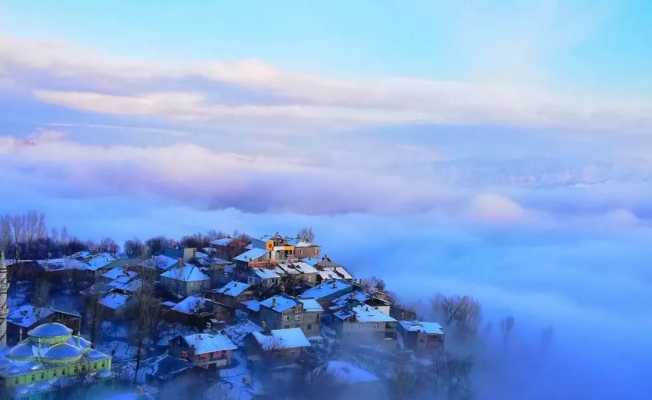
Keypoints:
pixel 273 302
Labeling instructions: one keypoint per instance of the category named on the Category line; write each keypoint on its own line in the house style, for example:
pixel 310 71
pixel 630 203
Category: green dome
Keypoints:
pixel 62 352
pixel 49 330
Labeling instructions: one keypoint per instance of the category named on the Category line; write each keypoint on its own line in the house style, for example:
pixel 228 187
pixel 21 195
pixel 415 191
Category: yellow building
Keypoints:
pixel 50 354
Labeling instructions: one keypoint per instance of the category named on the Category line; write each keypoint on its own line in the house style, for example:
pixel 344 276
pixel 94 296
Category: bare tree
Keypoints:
pixel 108 245
pixel 147 308
pixel 461 313
pixel 306 235
pixel 506 327
pixel 134 248
pixel 41 296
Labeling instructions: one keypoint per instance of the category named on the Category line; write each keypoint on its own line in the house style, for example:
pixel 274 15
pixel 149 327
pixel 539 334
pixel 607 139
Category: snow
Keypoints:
pixel 27 315
pixel 327 289
pixel 365 314
pixel 222 242
pixel 119 272
pixel 63 351
pixel 50 329
pixel 190 304
pixel 238 332
pixel 251 255
pixel 252 305
pixel 291 338
pixel 187 273
pixel 203 343
pixel 164 262
pixel 353 297
pixel 303 243
pixel 346 373
pixel 279 303
pixel 429 328
pixel 114 300
pixel 233 288
pixel 100 261
pixel 311 305
pixel 264 273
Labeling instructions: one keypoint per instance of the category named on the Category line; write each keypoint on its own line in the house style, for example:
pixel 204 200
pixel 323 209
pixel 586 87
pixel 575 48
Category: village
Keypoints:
pixel 239 318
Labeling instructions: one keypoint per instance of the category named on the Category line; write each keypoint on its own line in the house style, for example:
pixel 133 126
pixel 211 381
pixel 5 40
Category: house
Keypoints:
pixel 422 337
pixel 219 270
pixel 232 293
pixel 299 272
pixel 252 307
pixel 251 255
pixel 345 380
pixel 185 280
pixel 263 277
pixel 161 263
pixel 326 291
pixel 199 311
pixel 364 323
pixel 50 352
pixel 380 303
pixel 312 312
pixel 281 312
pixel 114 304
pixel 119 272
pixel 26 317
pixel 279 345
pixel 204 350
pixel 306 250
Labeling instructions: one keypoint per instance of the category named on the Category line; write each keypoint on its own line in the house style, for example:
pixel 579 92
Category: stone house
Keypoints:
pixel 364 323
pixel 276 346
pixel 204 350
pixel 421 337
pixel 232 294
pixel 185 280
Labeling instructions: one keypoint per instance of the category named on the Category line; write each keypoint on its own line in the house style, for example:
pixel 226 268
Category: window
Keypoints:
pixel 309 327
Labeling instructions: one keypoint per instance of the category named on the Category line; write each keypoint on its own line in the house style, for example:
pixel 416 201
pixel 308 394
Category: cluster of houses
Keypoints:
pixel 297 297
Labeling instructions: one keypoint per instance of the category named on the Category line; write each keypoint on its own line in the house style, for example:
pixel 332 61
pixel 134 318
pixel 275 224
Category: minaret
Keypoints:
pixel 4 309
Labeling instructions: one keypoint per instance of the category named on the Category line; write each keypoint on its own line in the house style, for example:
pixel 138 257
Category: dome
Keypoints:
pixel 62 352
pixel 21 351
pixel 52 329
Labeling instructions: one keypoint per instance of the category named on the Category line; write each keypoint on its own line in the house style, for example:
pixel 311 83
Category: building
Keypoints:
pixel 232 293
pixel 185 280
pixel 281 312
pixel 299 272
pixel 204 350
pixel 265 278
pixel 200 312
pixel 327 291
pixel 364 323
pixel 306 250
pixel 251 255
pixel 114 304
pixel 27 317
pixel 422 337
pixel 49 354
pixel 279 345
pixel 312 312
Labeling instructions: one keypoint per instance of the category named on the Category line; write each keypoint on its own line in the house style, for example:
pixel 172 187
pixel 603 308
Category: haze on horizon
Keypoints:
pixel 497 150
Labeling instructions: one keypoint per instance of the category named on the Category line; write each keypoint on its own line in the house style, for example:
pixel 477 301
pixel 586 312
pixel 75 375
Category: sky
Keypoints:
pixel 497 149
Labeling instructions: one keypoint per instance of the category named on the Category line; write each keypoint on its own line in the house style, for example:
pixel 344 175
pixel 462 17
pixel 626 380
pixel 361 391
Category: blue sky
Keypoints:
pixel 498 149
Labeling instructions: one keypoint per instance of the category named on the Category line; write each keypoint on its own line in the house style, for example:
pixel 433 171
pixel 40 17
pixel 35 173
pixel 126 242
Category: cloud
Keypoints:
pixel 496 209
pixel 82 79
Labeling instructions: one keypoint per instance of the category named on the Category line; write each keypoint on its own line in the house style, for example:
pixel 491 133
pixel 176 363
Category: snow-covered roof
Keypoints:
pixel 346 373
pixel 209 343
pixel 251 255
pixel 99 261
pixel 233 288
pixel 221 242
pixel 51 329
pixel 365 314
pixel 264 273
pixel 187 273
pixel 304 243
pixel 191 304
pixel 114 300
pixel 282 339
pixel 63 351
pixel 251 305
pixel 164 262
pixel 326 289
pixel 27 315
pixel 429 328
pixel 357 296
pixel 131 286
pixel 118 272
pixel 311 305
pixel 279 303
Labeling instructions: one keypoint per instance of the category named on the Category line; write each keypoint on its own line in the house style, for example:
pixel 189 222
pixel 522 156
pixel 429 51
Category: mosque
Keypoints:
pixel 49 354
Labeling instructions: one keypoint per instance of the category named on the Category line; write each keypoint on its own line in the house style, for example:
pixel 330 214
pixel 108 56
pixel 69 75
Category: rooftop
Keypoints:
pixel 233 288
pixel 209 343
pixel 187 273
pixel 429 328
pixel 281 339
pixel 279 303
pixel 51 329
pixel 326 289
pixel 251 255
